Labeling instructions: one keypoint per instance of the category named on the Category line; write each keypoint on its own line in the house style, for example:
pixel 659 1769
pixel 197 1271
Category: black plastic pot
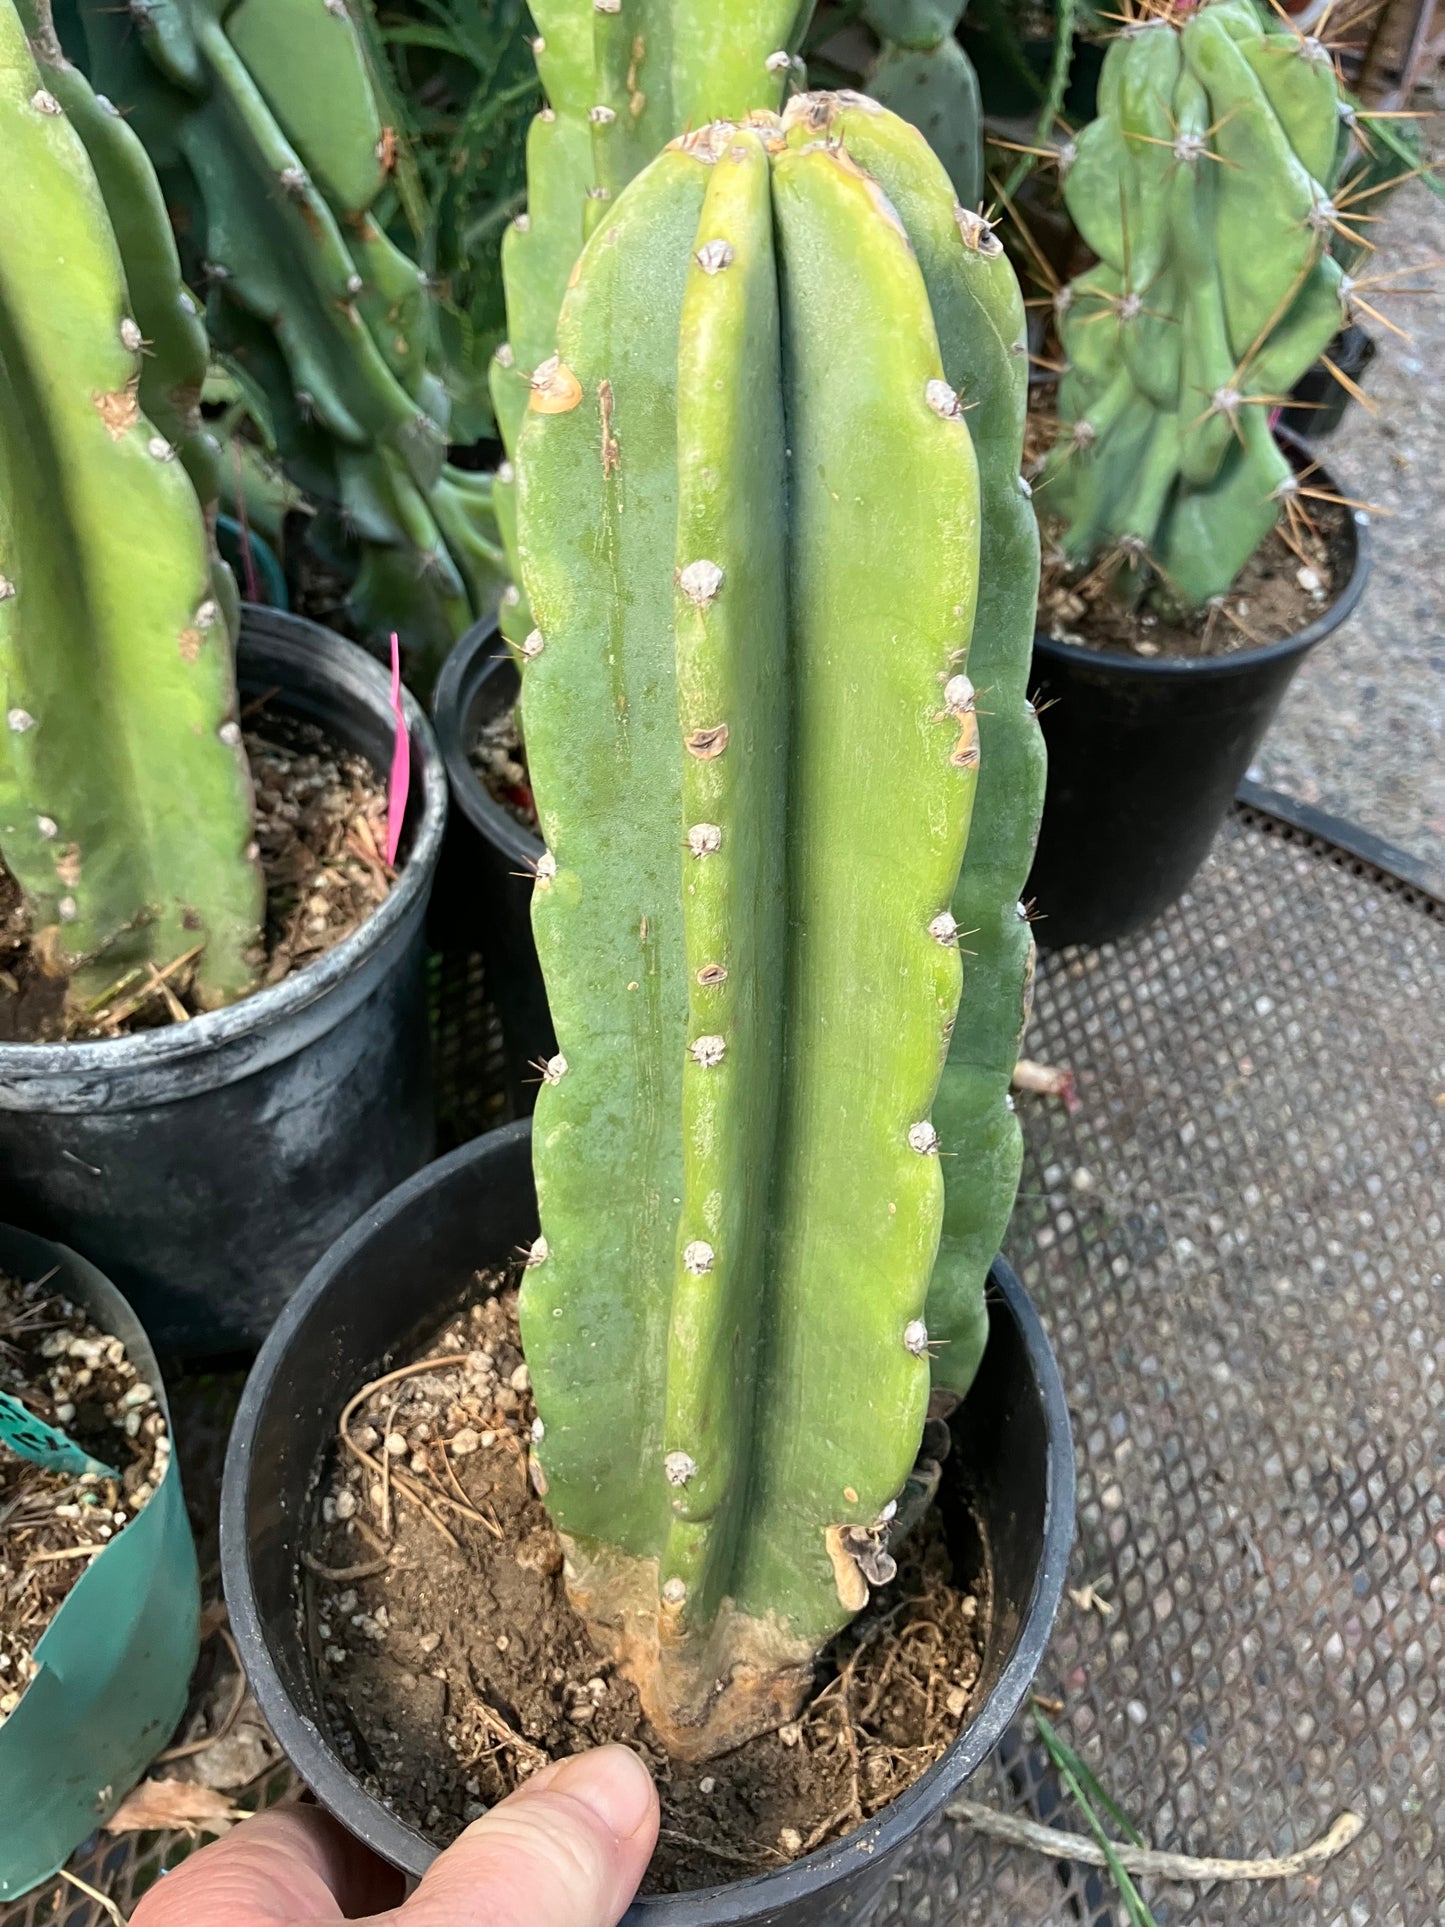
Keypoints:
pixel 1319 399
pixel 1145 755
pixel 1008 1501
pixel 204 1167
pixel 483 899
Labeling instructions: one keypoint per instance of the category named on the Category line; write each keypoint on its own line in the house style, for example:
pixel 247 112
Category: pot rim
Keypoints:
pixel 478 655
pixel 741 1900
pixel 1357 529
pixel 347 662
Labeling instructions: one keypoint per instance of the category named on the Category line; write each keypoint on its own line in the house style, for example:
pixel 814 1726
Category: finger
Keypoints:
pixel 568 1849
pixel 284 1869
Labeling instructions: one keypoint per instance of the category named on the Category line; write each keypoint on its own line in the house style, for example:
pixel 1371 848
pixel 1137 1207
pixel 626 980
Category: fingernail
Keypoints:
pixel 614 1783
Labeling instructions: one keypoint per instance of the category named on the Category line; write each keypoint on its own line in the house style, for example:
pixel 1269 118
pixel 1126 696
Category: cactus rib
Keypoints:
pixel 980 317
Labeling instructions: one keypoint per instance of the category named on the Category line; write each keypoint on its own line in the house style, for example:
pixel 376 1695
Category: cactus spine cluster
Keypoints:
pixel 1204 186
pixel 923 74
pixel 124 795
pixel 751 517
pixel 264 123
pixel 621 79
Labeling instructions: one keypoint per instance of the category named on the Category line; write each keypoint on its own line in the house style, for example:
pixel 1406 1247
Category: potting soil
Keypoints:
pixel 72 1375
pixel 453 1667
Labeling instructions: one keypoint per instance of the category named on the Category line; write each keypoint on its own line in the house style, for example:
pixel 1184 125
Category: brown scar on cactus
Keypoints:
pixel 119 410
pixel 188 642
pixel 965 752
pixel 611 453
pixel 851 1586
pixel 707 744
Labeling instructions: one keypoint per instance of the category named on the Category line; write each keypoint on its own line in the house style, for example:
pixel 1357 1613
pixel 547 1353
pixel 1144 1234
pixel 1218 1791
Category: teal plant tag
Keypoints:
pixel 45 1444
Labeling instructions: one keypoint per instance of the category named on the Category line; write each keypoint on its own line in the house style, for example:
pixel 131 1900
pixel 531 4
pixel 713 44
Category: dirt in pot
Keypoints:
pixel 321 839
pixel 499 757
pixel 452 1665
pixel 1289 582
pixel 62 1368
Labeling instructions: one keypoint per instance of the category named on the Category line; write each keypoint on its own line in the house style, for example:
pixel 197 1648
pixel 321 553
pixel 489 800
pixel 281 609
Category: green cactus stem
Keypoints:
pixel 124 794
pixel 1204 187
pixel 980 316
pixel 620 82
pixel 749 524
pixel 264 124
pixel 924 75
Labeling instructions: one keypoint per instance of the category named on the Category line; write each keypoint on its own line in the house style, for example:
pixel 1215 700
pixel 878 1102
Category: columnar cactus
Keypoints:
pixel 749 523
pixel 177 351
pixel 621 77
pixel 266 129
pixel 923 74
pixel 124 796
pixel 1204 186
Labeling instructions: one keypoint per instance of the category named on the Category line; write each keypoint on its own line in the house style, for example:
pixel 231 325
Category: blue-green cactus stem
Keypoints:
pixel 923 74
pixel 1204 186
pixel 264 123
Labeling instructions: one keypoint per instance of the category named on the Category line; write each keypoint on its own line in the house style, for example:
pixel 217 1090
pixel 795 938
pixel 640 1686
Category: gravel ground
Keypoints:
pixel 1362 731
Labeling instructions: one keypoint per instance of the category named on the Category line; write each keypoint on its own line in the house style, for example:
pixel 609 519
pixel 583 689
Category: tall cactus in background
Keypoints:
pixel 264 123
pixel 124 797
pixel 749 523
pixel 177 351
pixel 923 74
pixel 1204 186
pixel 621 80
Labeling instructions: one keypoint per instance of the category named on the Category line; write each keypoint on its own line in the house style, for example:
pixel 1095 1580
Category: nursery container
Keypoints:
pixel 253 562
pixel 1145 755
pixel 1008 1485
pixel 116 1660
pixel 1318 400
pixel 483 898
pixel 207 1165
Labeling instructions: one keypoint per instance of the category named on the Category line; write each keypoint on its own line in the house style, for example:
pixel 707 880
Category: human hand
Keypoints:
pixel 567 1849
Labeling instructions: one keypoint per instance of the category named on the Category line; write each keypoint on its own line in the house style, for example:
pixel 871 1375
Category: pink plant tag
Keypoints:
pixel 400 781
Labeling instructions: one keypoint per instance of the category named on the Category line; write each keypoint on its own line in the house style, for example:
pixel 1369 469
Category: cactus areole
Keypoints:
pixel 751 515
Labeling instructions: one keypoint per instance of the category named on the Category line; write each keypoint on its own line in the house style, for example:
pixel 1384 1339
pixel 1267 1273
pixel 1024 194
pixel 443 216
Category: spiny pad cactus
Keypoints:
pixel 923 74
pixel 1204 186
pixel 749 523
pixel 621 80
pixel 124 795
pixel 264 124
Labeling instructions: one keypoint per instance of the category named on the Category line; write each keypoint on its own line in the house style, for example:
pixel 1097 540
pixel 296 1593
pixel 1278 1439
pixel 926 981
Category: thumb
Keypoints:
pixel 567 1849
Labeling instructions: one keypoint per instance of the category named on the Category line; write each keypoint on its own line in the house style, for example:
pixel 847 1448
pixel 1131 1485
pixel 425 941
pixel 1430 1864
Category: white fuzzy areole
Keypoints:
pixel 698 1257
pixel 942 399
pixel 700 582
pixel 923 1138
